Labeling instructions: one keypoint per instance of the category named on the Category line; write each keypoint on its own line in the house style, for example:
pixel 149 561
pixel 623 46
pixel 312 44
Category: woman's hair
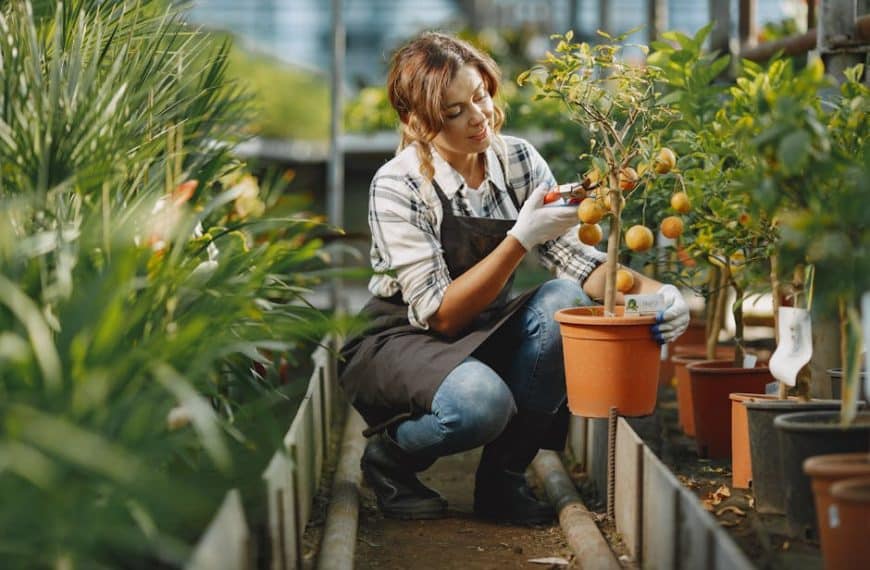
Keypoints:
pixel 420 72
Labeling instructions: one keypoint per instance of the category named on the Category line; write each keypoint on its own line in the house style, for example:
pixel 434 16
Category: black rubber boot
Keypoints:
pixel 391 473
pixel 501 492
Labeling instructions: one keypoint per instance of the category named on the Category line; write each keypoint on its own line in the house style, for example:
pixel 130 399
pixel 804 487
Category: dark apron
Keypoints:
pixel 391 371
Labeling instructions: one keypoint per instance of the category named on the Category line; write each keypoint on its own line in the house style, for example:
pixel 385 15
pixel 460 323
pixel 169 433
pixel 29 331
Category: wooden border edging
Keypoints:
pixel 226 543
pixel 664 524
pixel 581 531
pixel 342 519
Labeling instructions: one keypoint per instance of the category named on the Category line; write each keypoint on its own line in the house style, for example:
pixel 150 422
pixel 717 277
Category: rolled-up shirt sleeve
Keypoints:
pixel 406 248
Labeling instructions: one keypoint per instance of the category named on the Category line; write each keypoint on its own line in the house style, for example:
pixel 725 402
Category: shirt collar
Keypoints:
pixel 451 181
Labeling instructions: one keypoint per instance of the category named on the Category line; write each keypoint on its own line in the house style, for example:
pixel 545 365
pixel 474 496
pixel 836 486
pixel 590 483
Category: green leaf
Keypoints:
pixel 793 150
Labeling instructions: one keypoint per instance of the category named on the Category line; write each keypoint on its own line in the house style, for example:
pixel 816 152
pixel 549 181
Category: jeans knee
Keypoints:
pixel 478 407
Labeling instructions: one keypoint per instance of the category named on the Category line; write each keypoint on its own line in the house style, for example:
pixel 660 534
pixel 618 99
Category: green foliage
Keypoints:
pixel 286 102
pixel 812 176
pixel 149 290
pixel 619 104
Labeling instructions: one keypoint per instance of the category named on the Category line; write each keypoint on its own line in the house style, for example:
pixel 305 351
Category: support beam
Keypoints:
pixel 657 18
pixel 720 37
pixel 335 167
pixel 746 23
pixel 802 43
pixel 604 12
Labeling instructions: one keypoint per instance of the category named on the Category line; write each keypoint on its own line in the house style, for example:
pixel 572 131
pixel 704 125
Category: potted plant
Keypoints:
pixel 811 173
pixel 610 358
pixel 729 248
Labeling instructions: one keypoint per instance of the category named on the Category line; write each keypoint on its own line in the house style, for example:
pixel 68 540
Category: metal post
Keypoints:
pixel 746 23
pixel 335 168
pixel 657 16
pixel 604 16
pixel 574 16
pixel 836 27
pixel 720 37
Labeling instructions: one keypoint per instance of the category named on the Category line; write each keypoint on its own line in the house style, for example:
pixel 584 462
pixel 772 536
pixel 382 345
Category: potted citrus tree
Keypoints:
pixel 611 360
pixel 811 174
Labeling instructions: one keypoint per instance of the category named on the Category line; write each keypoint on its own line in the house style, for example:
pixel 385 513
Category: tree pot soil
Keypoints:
pixel 684 356
pixel 824 471
pixel 693 337
pixel 764 448
pixel 712 382
pixel 852 497
pixel 609 362
pixel 836 377
pixel 803 435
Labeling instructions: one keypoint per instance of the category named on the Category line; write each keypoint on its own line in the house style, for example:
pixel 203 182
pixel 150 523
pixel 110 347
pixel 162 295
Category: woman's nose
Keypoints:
pixel 478 115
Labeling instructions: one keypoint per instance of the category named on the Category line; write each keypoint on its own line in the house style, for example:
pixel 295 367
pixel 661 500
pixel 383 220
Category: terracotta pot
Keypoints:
pixel 851 549
pixel 825 470
pixel 683 356
pixel 609 361
pixel 712 382
pixel 693 337
pixel 803 435
pixel 741 458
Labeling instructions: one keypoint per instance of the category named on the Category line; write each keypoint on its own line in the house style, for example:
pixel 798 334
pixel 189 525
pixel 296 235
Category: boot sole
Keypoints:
pixel 414 515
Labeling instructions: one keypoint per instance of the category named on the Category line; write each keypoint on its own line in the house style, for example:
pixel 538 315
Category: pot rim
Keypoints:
pixel 838 373
pixel 594 315
pixel 855 489
pixel 816 422
pixel 810 406
pixel 838 464
pixel 710 367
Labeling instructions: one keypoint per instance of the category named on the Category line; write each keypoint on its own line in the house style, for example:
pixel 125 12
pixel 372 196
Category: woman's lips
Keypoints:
pixel 481 135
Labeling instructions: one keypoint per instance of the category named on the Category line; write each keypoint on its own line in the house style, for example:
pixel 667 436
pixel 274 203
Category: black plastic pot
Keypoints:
pixel 764 448
pixel 803 435
pixel 836 377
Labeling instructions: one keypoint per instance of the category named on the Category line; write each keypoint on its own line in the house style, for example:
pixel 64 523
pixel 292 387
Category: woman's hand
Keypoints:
pixel 536 224
pixel 674 319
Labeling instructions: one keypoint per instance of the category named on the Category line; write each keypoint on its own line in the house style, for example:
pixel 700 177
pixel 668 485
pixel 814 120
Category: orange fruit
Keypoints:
pixel 624 280
pixel 590 234
pixel 680 202
pixel 639 238
pixel 665 161
pixel 590 211
pixel 628 178
pixel 672 227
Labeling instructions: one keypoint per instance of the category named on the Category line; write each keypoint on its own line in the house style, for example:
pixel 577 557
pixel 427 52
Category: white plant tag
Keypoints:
pixel 833 516
pixel 749 360
pixel 663 354
pixel 865 317
pixel 644 304
pixel 795 346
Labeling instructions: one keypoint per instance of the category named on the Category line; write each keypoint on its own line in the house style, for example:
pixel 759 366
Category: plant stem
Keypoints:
pixel 613 245
pixel 739 350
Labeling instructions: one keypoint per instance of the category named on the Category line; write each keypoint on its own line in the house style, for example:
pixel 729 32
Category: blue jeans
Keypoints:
pixel 519 367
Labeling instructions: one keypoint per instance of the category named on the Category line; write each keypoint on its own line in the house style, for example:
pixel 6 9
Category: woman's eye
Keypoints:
pixel 453 114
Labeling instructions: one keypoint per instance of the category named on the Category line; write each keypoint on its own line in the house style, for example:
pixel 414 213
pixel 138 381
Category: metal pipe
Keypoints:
pixel 802 43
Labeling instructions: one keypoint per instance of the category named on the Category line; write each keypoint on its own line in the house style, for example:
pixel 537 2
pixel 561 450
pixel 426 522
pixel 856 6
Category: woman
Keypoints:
pixel 450 362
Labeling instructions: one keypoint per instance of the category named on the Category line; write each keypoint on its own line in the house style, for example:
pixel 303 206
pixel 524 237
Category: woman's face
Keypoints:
pixel 467 112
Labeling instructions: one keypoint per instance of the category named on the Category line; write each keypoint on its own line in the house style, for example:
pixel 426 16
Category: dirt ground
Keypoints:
pixel 459 541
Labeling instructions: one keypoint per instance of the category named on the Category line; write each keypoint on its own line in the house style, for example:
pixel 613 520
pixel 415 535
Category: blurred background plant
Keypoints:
pixel 153 321
pixel 811 175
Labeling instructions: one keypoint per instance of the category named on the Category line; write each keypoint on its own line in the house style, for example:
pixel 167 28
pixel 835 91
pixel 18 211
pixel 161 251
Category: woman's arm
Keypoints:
pixel 474 290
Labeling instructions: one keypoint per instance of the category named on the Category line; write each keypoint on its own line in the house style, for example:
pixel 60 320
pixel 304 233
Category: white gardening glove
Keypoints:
pixel 674 319
pixel 536 224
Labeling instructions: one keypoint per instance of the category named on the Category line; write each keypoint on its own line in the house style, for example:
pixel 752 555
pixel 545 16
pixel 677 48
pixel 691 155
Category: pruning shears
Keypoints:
pixel 570 194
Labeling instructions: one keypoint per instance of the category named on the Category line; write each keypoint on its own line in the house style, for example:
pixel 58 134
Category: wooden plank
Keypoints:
pixel 727 555
pixel 282 519
pixel 226 542
pixel 695 532
pixel 629 486
pixel 660 514
pixel 298 442
pixel 318 435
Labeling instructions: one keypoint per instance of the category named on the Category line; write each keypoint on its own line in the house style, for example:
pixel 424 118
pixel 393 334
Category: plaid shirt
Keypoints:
pixel 405 220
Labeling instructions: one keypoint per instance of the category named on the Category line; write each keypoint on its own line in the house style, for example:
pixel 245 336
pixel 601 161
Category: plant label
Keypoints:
pixel 795 345
pixel 644 304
